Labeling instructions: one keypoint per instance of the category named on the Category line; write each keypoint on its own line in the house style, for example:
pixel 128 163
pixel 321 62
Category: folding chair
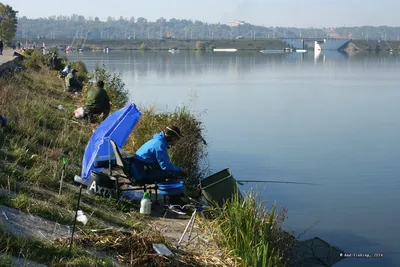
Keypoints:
pixel 126 178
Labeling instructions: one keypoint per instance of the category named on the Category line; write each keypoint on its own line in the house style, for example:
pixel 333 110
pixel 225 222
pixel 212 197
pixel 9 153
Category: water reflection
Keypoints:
pixel 189 63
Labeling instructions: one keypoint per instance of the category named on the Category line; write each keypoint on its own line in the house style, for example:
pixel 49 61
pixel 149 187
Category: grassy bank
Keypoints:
pixel 374 45
pixel 253 232
pixel 40 132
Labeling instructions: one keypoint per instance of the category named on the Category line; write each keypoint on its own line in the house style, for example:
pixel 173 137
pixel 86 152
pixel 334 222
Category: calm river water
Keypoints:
pixel 328 119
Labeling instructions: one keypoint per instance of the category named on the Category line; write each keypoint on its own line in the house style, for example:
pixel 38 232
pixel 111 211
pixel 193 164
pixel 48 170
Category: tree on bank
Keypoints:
pixel 8 22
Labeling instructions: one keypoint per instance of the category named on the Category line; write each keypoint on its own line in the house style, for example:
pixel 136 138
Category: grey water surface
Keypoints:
pixel 330 119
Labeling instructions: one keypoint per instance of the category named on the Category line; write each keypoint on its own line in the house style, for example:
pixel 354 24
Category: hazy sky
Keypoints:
pixel 297 13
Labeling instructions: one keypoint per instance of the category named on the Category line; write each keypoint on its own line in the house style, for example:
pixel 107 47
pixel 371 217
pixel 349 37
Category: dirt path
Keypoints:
pixel 169 224
pixel 172 226
pixel 26 225
pixel 18 262
pixel 7 56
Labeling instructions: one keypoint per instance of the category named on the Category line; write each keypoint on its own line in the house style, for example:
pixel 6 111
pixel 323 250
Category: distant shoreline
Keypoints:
pixel 163 44
pixel 201 44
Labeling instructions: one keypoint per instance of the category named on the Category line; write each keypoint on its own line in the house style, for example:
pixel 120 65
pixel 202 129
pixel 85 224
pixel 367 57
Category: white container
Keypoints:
pixel 82 217
pixel 145 204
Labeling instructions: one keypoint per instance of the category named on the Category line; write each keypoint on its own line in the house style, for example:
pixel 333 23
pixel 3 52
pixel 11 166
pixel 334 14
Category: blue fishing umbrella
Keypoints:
pixel 117 127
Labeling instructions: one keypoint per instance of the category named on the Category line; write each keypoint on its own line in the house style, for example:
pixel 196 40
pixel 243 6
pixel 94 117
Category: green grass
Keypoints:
pixel 43 209
pixel 32 145
pixel 364 44
pixel 252 232
pixel 46 252
pixel 39 134
pixel 49 205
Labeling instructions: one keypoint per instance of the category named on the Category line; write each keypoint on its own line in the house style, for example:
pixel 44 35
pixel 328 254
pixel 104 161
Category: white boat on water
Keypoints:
pixel 224 50
pixel 266 51
pixel 173 51
pixel 301 51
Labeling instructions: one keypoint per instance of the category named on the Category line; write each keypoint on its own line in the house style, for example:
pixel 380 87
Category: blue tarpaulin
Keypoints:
pixel 116 127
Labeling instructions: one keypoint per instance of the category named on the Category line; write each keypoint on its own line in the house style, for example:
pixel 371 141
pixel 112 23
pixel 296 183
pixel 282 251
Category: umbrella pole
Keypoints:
pixel 109 168
pixel 76 215
pixel 109 156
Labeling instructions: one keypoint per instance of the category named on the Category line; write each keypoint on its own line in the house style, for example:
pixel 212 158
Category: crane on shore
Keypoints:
pixel 84 41
pixel 391 50
pixel 73 41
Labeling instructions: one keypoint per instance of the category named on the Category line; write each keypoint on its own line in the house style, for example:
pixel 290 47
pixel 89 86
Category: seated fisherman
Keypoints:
pixel 151 161
pixel 97 102
pixel 72 83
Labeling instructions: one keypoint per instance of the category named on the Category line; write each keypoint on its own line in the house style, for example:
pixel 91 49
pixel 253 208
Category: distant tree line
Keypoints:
pixel 141 28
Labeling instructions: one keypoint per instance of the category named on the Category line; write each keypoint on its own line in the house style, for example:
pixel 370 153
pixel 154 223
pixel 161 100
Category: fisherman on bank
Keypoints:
pixel 72 83
pixel 151 161
pixel 97 102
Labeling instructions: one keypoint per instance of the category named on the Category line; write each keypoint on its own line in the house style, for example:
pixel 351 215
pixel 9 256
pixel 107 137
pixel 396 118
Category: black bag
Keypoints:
pixel 101 184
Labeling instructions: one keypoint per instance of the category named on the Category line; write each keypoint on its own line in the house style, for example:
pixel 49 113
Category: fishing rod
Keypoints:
pixel 241 182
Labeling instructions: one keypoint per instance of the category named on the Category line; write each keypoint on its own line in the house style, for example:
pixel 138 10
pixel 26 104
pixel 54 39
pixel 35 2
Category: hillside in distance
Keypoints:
pixel 60 27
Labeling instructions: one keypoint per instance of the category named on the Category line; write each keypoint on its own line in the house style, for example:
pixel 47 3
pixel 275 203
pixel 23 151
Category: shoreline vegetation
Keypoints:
pixel 40 131
pixel 201 44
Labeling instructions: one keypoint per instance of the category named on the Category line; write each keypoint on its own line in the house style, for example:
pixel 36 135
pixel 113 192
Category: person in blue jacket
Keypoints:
pixel 151 161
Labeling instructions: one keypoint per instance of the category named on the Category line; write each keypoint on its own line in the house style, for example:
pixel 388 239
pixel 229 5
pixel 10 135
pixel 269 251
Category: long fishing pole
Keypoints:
pixel 241 182
pixel 275 182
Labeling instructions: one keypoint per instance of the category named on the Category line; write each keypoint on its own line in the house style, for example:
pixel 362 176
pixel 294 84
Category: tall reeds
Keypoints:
pixel 249 229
